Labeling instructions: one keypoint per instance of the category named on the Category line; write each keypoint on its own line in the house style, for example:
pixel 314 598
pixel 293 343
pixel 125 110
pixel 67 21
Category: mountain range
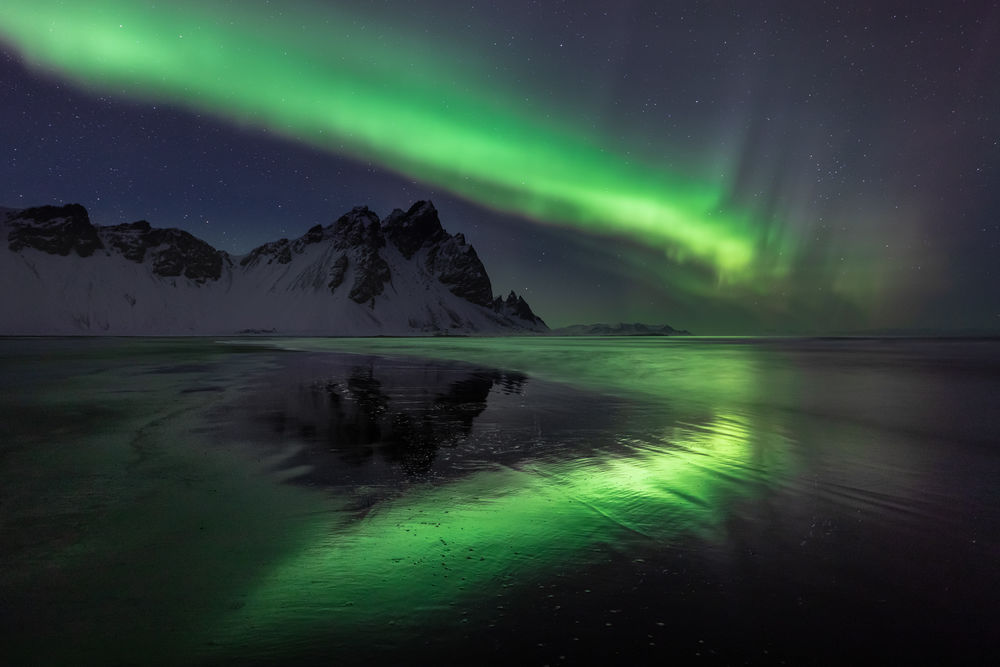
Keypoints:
pixel 620 329
pixel 358 276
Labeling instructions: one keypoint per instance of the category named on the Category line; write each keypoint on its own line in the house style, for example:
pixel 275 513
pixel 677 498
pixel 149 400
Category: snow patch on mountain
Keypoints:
pixel 358 276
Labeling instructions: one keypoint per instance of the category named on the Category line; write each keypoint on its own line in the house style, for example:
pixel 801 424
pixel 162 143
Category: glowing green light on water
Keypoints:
pixel 443 549
pixel 439 546
pixel 390 101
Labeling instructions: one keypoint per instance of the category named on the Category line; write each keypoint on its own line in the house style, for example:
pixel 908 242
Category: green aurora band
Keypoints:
pixel 406 105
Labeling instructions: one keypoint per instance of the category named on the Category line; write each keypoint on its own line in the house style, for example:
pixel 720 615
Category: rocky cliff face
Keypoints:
pixel 356 276
pixel 173 252
pixel 418 236
pixel 358 235
pixel 449 258
pixel 516 306
pixel 56 230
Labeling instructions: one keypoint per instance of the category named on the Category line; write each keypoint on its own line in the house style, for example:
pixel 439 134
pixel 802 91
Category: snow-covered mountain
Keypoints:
pixel 358 276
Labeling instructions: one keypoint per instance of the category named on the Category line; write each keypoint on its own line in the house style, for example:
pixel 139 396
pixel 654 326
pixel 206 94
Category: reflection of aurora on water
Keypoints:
pixel 439 546
pixel 443 545
pixel 769 494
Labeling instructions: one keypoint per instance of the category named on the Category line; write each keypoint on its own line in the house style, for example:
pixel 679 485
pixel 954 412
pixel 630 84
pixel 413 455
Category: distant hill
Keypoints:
pixel 358 276
pixel 620 329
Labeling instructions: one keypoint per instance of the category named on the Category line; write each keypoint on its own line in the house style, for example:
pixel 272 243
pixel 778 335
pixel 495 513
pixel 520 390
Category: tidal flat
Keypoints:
pixel 536 500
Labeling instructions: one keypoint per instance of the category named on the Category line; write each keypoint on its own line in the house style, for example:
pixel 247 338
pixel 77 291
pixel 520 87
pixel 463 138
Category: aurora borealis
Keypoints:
pixel 729 171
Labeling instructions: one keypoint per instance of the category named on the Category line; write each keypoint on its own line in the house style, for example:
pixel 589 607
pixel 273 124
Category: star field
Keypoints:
pixel 775 168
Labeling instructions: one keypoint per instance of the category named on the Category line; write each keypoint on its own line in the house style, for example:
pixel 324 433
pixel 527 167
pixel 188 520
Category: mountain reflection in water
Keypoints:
pixel 345 410
pixel 467 482
pixel 521 500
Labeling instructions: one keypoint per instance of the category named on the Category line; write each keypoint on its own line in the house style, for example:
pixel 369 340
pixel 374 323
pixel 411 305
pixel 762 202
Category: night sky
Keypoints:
pixel 726 167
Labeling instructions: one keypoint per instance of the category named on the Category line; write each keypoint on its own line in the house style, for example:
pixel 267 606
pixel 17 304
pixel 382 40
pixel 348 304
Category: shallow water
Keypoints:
pixel 539 500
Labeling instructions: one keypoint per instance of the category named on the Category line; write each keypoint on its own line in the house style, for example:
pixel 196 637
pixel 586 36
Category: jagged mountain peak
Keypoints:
pixel 421 210
pixel 173 252
pixel 515 306
pixel 361 211
pixel 358 216
pixel 74 212
pixel 57 230
pixel 417 227
pixel 356 276
pixel 359 226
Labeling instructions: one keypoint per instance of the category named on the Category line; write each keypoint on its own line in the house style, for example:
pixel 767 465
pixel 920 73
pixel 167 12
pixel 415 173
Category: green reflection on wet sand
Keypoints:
pixel 221 559
pixel 440 550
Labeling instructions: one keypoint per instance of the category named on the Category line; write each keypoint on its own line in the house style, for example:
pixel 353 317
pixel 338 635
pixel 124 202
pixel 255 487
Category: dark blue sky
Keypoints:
pixel 872 130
